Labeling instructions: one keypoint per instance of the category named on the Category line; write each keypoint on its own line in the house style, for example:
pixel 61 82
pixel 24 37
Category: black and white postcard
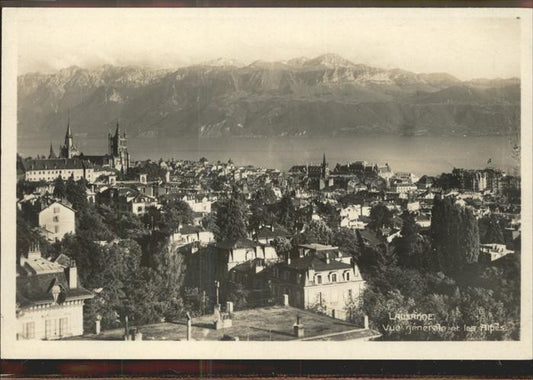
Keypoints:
pixel 266 183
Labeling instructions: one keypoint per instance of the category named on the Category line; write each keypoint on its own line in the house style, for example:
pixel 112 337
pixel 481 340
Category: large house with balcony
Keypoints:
pixel 49 298
pixel 321 277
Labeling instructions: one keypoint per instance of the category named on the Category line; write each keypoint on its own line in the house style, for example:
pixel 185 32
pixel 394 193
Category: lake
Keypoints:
pixel 420 155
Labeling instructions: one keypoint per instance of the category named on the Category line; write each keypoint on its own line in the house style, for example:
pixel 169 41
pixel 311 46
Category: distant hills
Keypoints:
pixel 323 96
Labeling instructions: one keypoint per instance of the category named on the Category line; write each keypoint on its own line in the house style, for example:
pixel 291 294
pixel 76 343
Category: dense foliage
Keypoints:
pixel 439 275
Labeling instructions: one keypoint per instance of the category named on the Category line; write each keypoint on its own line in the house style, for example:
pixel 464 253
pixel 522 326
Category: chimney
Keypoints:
pixel 72 275
pixel 34 251
pixel 327 258
pixel 285 300
pixel 289 258
pixel 367 325
pixel 298 328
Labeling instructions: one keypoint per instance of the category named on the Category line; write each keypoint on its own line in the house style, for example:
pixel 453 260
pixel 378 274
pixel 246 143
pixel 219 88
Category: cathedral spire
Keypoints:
pixel 117 131
pixel 69 132
pixel 324 160
pixel 52 153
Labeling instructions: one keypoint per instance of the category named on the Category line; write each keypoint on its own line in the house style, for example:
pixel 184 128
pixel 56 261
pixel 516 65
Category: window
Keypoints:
pixel 56 210
pixel 56 229
pixel 318 279
pixel 63 326
pixel 334 277
pixel 347 276
pixel 50 328
pixel 56 218
pixel 28 330
pixel 140 209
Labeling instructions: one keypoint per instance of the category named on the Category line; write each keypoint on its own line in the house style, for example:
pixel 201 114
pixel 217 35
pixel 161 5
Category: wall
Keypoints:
pixel 51 175
pixel 334 296
pixel 65 222
pixel 73 311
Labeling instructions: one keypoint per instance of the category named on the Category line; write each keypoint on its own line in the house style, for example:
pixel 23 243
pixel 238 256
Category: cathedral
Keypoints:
pixel 117 156
pixel 118 150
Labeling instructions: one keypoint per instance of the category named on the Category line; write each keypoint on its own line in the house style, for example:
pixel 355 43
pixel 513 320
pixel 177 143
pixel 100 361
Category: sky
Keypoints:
pixel 467 45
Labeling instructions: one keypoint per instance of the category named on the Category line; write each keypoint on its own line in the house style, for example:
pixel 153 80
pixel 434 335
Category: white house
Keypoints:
pixel 58 219
pixel 239 251
pixel 321 277
pixel 49 299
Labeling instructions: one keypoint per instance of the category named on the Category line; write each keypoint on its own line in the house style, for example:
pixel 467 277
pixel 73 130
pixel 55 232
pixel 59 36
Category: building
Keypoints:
pixel 118 150
pixel 267 235
pixel 48 170
pixel 237 251
pixel 58 219
pixel 318 175
pixel 199 204
pixel 321 277
pixel 54 218
pixel 130 201
pixel 492 252
pixel 403 187
pixel 191 234
pixel 49 298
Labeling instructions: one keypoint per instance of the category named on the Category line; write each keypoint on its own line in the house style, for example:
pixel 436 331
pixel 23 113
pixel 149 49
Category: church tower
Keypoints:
pixel 68 149
pixel 118 149
pixel 325 168
pixel 52 153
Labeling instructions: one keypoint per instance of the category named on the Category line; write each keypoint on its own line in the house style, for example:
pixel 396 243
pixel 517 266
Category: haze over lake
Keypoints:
pixel 420 155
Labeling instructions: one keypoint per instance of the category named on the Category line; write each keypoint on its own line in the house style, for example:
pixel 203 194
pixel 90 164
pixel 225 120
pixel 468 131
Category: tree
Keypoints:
pixel 317 232
pixel 380 216
pixel 455 235
pixel 176 212
pixel 260 210
pixel 330 214
pixel 76 193
pixel 231 218
pixel 413 249
pixel 286 212
pixel 60 190
pixel 282 246
pixel 92 225
pixel 491 229
pixel 348 241
pixel 237 293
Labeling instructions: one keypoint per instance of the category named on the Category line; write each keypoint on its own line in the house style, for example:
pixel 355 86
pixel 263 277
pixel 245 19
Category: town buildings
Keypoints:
pixel 320 279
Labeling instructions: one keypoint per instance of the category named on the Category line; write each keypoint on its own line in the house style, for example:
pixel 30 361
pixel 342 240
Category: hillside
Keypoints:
pixel 324 96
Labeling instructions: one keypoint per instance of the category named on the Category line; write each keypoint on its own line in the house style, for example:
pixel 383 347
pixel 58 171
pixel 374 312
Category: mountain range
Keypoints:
pixel 323 96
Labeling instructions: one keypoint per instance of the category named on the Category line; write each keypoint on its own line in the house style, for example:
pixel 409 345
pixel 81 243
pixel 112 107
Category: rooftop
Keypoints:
pixel 236 243
pixel 56 163
pixel 274 323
